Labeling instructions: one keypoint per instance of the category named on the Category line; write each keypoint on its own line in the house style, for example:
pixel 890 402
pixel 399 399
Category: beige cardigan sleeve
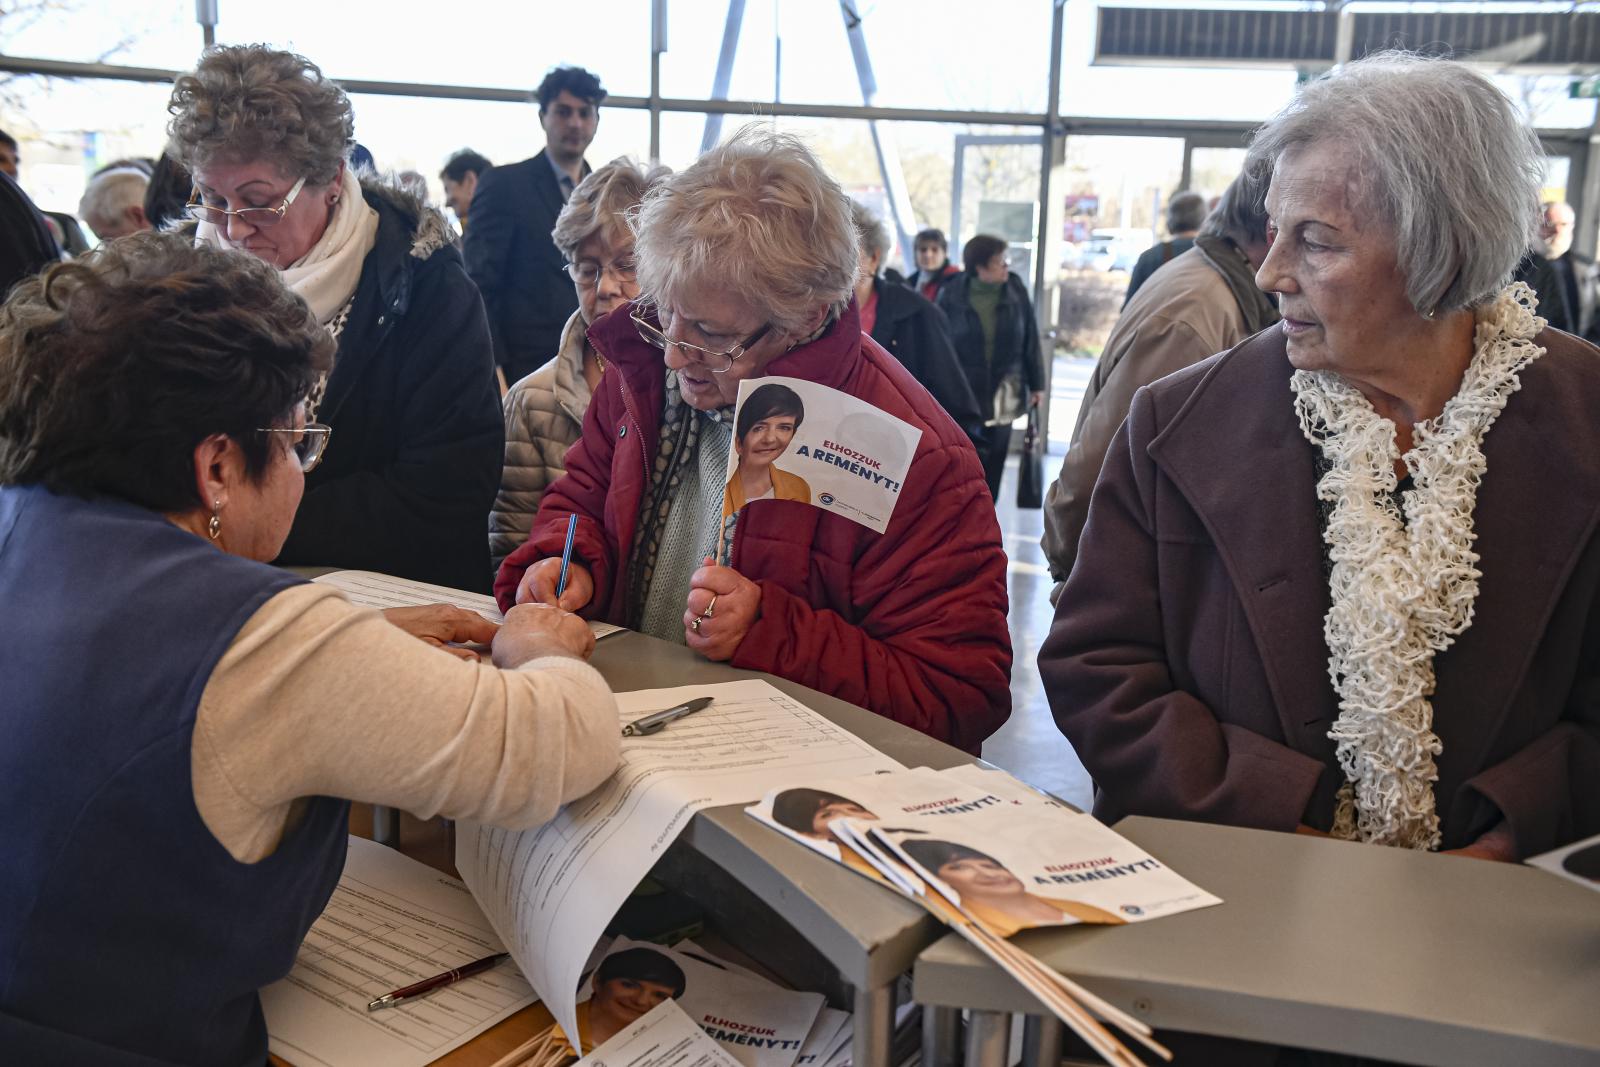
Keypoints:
pixel 317 697
pixel 1159 346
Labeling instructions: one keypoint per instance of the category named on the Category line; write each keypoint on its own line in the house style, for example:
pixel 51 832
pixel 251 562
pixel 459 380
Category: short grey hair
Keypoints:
pixel 757 215
pixel 110 195
pixel 602 202
pixel 1185 212
pixel 1241 214
pixel 871 234
pixel 1446 163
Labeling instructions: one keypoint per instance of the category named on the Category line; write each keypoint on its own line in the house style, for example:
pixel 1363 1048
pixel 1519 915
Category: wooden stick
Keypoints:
pixel 1135 1028
pixel 1053 997
pixel 528 1049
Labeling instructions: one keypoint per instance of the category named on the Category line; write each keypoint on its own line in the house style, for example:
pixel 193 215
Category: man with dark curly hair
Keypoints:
pixel 509 251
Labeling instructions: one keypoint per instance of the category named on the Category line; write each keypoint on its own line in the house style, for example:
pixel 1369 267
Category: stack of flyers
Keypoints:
pixel 990 856
pixel 755 1021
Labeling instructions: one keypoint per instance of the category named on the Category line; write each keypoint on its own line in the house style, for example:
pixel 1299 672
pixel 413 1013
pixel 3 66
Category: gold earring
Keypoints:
pixel 214 527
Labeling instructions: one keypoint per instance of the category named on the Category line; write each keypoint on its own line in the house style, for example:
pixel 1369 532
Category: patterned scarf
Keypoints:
pixel 678 447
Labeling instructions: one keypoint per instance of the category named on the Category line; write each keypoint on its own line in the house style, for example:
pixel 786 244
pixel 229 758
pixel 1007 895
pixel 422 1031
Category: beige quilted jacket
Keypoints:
pixel 544 416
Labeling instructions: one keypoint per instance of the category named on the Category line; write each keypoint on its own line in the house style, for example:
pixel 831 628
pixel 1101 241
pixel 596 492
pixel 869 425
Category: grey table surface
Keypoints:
pixel 1331 945
pixel 867 932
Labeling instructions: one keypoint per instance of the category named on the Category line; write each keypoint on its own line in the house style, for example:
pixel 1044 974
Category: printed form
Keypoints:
pixel 662 1037
pixel 373 590
pixel 392 921
pixel 551 892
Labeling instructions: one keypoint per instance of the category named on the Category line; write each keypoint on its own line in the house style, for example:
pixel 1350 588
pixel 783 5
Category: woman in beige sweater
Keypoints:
pixel 544 411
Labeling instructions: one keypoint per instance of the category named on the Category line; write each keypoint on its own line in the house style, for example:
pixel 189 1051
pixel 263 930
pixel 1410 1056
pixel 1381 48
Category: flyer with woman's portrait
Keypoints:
pixel 800 441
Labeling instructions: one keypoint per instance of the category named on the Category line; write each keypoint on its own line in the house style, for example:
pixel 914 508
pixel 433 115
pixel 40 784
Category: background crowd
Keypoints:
pixel 1310 499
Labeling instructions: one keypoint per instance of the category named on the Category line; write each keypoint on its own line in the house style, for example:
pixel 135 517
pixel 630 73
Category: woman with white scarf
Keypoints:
pixel 411 396
pixel 1343 578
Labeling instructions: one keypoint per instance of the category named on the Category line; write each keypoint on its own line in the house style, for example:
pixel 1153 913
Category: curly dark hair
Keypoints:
pixel 575 80
pixel 114 366
pixel 250 102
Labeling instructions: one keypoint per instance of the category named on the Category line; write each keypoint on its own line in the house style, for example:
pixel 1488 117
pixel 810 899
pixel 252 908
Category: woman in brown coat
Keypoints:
pixel 1343 578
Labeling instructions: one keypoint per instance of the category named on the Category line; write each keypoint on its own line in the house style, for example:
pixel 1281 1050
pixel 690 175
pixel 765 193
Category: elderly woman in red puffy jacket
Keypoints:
pixel 747 262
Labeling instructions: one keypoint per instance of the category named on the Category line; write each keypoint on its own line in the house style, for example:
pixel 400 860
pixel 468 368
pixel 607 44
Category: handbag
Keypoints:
pixel 1030 471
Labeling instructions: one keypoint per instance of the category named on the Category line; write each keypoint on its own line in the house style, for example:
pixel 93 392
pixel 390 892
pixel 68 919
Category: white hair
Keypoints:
pixel 757 216
pixel 1445 162
pixel 106 201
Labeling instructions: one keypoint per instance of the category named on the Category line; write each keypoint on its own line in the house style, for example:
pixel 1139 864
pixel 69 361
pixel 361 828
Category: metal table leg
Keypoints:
pixel 988 1038
pixel 1041 1041
pixel 941 1036
pixel 874 1027
pixel 386 826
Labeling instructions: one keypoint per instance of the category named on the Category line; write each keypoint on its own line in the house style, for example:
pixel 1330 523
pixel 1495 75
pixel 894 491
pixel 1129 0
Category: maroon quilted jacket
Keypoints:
pixel 910 624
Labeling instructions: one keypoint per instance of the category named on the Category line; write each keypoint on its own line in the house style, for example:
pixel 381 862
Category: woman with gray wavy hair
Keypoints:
pixel 544 411
pixel 411 394
pixel 747 266
pixel 1386 630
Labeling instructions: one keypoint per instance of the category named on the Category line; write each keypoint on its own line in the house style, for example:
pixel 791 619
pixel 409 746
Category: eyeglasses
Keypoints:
pixel 314 437
pixel 716 362
pixel 586 272
pixel 257 217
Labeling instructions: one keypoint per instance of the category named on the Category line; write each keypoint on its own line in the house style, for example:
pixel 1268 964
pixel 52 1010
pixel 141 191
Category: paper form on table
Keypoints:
pixel 392 921
pixel 373 590
pixel 664 1036
pixel 550 892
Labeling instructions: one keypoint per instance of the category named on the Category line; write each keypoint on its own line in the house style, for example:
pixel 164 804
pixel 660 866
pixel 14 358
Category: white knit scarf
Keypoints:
pixel 1403 586
pixel 326 276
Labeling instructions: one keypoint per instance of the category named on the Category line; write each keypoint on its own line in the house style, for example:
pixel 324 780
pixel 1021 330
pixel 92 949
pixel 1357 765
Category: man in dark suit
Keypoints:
pixel 509 252
pixel 1566 281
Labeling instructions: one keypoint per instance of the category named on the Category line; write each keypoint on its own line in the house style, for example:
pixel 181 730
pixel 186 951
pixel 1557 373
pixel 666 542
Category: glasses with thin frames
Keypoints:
pixel 258 217
pixel 716 362
pixel 586 272
pixel 314 437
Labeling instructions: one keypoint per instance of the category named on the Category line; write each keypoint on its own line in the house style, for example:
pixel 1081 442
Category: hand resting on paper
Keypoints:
pixel 538 585
pixel 534 630
pixel 738 607
pixel 444 626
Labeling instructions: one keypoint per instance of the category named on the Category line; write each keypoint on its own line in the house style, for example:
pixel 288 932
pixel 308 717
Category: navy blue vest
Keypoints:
pixel 128 935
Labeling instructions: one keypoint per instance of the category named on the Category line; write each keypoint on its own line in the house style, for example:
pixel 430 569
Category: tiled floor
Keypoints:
pixel 1029 745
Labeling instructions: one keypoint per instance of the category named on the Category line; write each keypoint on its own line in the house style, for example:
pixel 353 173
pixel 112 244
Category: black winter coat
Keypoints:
pixel 1018 365
pixel 511 256
pixel 916 333
pixel 412 468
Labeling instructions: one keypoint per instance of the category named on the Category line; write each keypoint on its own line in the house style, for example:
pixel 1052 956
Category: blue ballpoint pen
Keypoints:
pixel 566 555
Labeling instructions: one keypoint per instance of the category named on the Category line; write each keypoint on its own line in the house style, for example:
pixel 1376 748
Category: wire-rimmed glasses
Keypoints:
pixel 314 437
pixel 716 362
pixel 587 272
pixel 257 217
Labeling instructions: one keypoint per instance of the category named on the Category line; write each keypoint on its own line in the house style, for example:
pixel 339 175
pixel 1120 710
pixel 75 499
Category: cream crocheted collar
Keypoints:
pixel 1403 585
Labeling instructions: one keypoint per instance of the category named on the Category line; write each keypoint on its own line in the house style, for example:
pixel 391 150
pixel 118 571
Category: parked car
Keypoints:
pixel 1107 249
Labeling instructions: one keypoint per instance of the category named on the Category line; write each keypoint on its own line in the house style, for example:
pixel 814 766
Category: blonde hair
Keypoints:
pixel 758 216
pixel 602 201
pixel 244 103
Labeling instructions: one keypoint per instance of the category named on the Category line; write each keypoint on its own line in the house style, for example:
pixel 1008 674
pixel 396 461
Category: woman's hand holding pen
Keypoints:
pixel 534 630
pixel 538 585
pixel 722 606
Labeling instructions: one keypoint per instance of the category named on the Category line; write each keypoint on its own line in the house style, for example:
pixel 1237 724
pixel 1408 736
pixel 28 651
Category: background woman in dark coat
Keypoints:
pixel 996 337
pixel 910 328
pixel 412 392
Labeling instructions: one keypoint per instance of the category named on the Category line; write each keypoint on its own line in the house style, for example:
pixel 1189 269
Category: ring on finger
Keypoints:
pixel 711 608
pixel 695 625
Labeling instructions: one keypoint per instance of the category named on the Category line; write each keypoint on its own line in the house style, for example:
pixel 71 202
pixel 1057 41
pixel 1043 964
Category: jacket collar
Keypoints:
pixel 1243 402
pixel 571 387
pixel 1243 408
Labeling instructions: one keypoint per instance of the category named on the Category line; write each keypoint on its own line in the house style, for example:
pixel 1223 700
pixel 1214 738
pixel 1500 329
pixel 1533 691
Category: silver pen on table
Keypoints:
pixel 657 719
